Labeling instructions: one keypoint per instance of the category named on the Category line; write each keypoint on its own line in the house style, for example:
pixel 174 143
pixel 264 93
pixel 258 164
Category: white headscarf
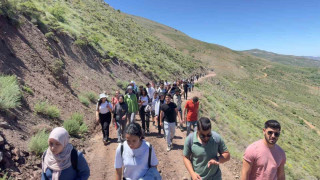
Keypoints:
pixel 61 161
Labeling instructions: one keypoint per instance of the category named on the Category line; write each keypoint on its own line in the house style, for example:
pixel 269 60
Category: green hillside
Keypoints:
pixel 284 59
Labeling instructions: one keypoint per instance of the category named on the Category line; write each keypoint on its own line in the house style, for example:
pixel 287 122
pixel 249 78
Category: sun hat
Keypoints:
pixel 103 95
pixel 129 87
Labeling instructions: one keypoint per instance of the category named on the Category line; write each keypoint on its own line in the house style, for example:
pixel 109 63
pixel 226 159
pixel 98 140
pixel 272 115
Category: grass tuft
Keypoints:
pixel 10 94
pixel 39 142
pixel 46 109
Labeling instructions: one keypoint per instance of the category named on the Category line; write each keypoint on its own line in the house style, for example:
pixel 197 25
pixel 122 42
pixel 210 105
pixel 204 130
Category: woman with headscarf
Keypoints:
pixel 58 161
pixel 120 117
pixel 103 115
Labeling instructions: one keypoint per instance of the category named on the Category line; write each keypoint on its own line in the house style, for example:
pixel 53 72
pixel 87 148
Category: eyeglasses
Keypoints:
pixel 204 136
pixel 276 134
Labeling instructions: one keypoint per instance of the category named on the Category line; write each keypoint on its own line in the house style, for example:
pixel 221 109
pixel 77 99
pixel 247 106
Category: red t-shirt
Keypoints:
pixel 192 110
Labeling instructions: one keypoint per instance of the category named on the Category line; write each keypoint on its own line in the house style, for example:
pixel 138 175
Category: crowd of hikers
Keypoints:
pixel 160 105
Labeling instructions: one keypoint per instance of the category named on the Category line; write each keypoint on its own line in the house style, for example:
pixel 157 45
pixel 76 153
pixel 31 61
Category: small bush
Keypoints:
pixel 122 84
pixel 77 117
pixel 58 12
pixel 84 100
pixel 51 35
pixel 39 142
pixel 27 89
pixel 10 94
pixel 81 42
pixel 72 126
pixel 57 68
pixel 46 109
pixel 83 128
pixel 92 96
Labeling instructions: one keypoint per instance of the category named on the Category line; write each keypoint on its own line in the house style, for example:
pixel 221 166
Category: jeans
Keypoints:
pixel 194 124
pixel 185 94
pixel 105 120
pixel 169 129
pixel 144 121
pixel 131 117
pixel 121 126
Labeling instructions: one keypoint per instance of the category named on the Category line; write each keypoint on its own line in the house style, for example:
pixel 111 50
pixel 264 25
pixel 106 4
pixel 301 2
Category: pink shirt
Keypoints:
pixel 264 160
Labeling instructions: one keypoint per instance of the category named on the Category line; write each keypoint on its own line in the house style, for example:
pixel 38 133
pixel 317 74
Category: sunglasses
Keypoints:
pixel 204 136
pixel 276 134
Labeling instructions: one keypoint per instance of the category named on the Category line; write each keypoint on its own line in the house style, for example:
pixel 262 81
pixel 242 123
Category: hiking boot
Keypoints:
pixel 105 141
pixel 169 148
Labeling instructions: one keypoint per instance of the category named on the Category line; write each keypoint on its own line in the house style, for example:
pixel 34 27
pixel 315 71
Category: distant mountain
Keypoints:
pixel 304 61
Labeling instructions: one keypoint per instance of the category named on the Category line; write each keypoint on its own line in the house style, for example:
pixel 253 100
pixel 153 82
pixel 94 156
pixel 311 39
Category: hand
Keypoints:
pixel 114 121
pixel 212 162
pixel 97 119
pixel 160 123
pixel 124 117
pixel 195 176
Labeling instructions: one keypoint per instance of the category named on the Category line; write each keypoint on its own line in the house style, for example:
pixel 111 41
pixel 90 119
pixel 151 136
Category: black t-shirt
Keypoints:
pixel 169 110
pixel 185 87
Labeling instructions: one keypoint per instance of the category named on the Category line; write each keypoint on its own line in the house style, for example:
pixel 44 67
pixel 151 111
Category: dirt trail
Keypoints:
pixel 310 125
pixel 264 74
pixel 101 158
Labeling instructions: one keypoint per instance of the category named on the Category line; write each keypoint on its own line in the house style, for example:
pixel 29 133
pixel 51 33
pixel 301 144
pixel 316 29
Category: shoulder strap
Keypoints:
pixel 121 149
pixel 149 158
pixel 74 159
pixel 44 155
pixel 190 140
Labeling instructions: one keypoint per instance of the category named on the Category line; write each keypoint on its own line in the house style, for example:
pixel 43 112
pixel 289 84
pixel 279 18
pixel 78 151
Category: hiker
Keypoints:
pixel 178 101
pixel 139 91
pixel 200 152
pixel 158 105
pixel 264 159
pixel 162 89
pixel 103 115
pixel 191 108
pixel 150 90
pixel 145 117
pixel 136 156
pixel 189 85
pixel 61 160
pixel 169 113
pixel 131 100
pixel 185 90
pixel 115 99
pixel 173 89
pixel 154 100
pixel 120 117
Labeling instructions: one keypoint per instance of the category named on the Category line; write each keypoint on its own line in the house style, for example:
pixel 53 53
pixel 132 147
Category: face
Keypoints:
pixel 271 135
pixel 133 141
pixel 161 97
pixel 117 93
pixel 168 98
pixel 161 86
pixel 144 92
pixel 55 146
pixel 155 95
pixel 129 91
pixel 120 99
pixel 103 99
pixel 204 135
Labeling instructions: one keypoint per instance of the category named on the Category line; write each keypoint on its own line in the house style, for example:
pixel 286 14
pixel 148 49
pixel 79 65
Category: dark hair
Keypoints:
pixel 203 124
pixel 144 90
pixel 272 124
pixel 121 95
pixel 169 95
pixel 140 86
pixel 135 130
pixel 195 99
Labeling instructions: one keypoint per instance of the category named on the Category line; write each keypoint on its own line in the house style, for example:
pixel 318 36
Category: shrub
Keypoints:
pixel 39 142
pixel 84 100
pixel 46 109
pixel 77 117
pixel 27 89
pixel 92 96
pixel 122 84
pixel 58 12
pixel 57 68
pixel 81 42
pixel 83 128
pixel 10 94
pixel 51 35
pixel 72 126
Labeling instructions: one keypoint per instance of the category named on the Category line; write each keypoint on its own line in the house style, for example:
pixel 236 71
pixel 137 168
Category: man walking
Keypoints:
pixel 200 152
pixel 192 107
pixel 169 113
pixel 264 159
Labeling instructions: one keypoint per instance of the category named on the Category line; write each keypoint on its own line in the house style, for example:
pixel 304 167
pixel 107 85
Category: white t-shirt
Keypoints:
pixel 134 161
pixel 150 91
pixel 145 99
pixel 103 107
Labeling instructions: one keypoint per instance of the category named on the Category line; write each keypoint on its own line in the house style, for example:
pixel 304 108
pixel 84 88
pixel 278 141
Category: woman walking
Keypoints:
pixel 131 99
pixel 120 117
pixel 115 99
pixel 103 115
pixel 136 158
pixel 144 116
pixel 154 100
pixel 61 160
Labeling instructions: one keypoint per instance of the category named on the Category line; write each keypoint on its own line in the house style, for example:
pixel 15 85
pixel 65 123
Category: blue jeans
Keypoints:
pixel 194 124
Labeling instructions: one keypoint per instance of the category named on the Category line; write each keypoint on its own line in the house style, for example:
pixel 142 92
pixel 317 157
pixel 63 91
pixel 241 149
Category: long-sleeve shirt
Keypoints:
pixel 132 102
pixel 120 110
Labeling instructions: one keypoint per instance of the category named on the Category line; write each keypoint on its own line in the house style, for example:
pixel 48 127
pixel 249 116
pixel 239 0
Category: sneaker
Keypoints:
pixel 159 136
pixel 119 141
pixel 148 132
pixel 105 141
pixel 168 148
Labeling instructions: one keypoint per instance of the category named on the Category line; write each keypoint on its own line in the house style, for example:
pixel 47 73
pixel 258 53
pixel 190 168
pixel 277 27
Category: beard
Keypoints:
pixel 270 140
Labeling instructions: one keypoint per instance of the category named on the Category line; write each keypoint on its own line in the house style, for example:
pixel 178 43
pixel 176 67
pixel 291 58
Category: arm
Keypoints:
pixel 161 117
pixel 184 114
pixel 246 169
pixel 188 165
pixel 224 157
pixel 118 173
pixel 84 171
pixel 97 117
pixel 180 119
pixel 280 173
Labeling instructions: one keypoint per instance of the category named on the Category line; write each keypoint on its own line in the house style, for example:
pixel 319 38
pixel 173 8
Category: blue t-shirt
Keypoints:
pixel 70 173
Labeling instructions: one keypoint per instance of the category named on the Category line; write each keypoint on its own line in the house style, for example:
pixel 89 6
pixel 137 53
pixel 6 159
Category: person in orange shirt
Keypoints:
pixel 192 107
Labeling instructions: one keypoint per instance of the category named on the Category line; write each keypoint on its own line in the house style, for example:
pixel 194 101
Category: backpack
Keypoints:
pixel 74 158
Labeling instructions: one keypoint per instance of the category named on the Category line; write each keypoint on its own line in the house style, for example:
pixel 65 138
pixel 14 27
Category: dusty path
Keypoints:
pixel 101 158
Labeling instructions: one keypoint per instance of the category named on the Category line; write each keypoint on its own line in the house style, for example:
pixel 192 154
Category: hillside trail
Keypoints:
pixel 101 158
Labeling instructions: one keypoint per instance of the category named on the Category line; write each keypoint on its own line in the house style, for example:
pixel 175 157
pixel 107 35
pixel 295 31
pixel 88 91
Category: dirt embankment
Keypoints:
pixel 101 158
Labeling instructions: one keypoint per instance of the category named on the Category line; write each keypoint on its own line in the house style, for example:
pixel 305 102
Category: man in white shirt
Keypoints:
pixel 150 90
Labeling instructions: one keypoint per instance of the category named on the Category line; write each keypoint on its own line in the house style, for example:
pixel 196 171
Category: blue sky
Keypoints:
pixel 281 26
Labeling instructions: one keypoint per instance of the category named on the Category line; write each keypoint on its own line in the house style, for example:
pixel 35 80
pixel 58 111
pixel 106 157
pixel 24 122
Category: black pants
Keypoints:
pixel 105 120
pixel 159 127
pixel 145 118
pixel 185 94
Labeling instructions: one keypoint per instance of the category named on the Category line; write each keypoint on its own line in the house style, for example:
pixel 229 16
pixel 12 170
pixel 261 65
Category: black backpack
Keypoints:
pixel 149 158
pixel 74 158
